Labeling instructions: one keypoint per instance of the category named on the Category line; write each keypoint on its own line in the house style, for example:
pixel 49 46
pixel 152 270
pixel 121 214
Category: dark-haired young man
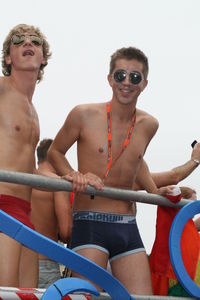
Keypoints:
pixel 112 138
pixel 51 215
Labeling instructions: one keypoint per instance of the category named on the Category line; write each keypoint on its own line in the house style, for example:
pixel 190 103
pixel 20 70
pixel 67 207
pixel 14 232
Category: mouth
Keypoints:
pixel 28 52
pixel 125 91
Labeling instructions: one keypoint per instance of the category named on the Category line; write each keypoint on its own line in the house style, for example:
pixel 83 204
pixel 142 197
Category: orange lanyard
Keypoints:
pixel 109 138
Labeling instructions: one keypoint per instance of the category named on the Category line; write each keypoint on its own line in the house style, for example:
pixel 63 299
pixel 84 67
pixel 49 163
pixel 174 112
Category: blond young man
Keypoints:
pixel 25 54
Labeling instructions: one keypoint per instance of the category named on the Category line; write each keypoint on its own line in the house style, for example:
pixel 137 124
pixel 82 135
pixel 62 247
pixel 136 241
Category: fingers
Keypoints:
pixel 94 181
pixel 196 152
pixel 171 192
pixel 80 181
pixel 166 190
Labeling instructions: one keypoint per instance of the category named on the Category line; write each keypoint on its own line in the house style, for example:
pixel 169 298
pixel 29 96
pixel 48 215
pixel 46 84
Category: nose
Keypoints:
pixel 126 80
pixel 27 41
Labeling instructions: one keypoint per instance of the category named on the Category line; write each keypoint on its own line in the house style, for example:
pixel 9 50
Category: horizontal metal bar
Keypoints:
pixel 55 184
pixel 105 296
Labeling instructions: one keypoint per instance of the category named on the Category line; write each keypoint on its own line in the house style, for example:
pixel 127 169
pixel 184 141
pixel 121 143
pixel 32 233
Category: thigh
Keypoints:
pixel 134 272
pixel 28 270
pixel 95 255
pixel 10 251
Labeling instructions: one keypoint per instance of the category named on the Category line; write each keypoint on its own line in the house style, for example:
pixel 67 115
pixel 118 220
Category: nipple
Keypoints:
pixel 17 127
pixel 101 150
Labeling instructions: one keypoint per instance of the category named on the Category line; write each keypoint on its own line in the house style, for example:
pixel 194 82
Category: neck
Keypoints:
pixel 24 82
pixel 122 112
pixel 45 165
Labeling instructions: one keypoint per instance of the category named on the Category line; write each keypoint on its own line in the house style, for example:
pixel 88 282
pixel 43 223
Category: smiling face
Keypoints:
pixel 125 92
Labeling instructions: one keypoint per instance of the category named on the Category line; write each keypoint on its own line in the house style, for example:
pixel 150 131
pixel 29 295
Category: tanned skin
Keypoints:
pixel 19 134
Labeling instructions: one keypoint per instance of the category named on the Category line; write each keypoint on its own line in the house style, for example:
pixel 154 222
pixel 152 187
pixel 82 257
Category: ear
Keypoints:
pixel 145 83
pixel 109 78
pixel 43 61
pixel 8 59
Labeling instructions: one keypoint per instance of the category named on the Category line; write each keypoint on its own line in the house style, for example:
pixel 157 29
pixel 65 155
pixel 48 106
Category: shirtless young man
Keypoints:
pixel 103 228
pixel 51 215
pixel 25 54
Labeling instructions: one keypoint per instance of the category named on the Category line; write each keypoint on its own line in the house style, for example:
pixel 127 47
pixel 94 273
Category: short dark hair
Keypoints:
pixel 187 192
pixel 42 149
pixel 130 53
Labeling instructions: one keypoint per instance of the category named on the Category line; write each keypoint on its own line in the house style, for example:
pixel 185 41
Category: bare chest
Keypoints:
pixel 18 118
pixel 122 159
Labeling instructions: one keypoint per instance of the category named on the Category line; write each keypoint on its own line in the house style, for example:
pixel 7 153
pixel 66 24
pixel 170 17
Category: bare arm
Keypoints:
pixel 151 127
pixel 175 175
pixel 144 180
pixel 64 215
pixel 66 137
pixel 179 173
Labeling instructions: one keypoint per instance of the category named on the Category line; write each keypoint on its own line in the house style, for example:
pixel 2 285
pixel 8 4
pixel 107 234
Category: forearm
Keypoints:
pixel 181 172
pixel 174 176
pixel 144 180
pixel 59 162
pixel 63 213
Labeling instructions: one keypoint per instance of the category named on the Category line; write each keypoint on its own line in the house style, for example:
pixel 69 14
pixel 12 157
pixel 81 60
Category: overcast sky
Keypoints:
pixel 83 35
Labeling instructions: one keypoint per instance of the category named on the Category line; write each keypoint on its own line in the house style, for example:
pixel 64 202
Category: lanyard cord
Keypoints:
pixel 109 138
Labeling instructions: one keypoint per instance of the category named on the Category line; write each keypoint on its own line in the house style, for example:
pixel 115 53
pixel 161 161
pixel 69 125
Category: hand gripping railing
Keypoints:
pixel 38 181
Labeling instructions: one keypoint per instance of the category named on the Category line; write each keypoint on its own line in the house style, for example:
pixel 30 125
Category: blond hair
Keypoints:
pixel 21 29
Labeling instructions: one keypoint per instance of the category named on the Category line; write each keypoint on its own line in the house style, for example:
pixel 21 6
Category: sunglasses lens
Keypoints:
pixel 18 39
pixel 135 77
pixel 36 40
pixel 119 76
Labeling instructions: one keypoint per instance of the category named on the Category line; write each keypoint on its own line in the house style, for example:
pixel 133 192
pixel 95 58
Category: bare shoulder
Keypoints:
pixel 146 119
pixel 89 108
pixel 2 84
pixel 85 111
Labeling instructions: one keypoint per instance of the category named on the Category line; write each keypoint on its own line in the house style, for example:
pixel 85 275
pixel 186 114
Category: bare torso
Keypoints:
pixel 92 154
pixel 43 215
pixel 51 211
pixel 19 134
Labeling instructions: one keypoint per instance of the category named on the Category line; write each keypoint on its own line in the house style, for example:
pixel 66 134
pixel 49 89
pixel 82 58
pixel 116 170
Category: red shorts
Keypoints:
pixel 17 208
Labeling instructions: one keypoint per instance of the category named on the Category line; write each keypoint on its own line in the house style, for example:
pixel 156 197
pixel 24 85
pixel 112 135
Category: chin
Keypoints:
pixel 125 101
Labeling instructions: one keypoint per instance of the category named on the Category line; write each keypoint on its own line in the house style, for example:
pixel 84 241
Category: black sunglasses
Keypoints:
pixel 18 40
pixel 134 76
